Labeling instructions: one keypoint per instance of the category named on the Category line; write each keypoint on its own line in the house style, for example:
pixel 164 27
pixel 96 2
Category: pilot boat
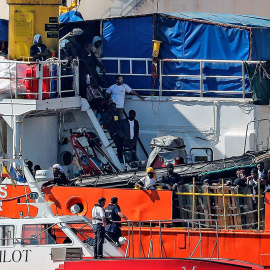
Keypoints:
pixel 52 242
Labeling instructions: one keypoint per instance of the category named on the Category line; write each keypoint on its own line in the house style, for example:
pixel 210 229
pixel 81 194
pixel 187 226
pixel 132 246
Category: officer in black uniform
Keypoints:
pixel 113 213
pixel 170 180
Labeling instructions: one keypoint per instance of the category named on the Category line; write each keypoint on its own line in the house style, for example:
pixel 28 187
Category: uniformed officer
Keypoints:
pixel 113 213
pixel 99 223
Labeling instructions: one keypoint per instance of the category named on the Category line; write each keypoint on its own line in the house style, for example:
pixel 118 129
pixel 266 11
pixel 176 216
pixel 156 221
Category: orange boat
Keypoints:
pixel 151 233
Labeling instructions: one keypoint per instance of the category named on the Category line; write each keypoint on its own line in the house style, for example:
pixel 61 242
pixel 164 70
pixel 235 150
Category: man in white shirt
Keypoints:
pixel 99 224
pixel 118 91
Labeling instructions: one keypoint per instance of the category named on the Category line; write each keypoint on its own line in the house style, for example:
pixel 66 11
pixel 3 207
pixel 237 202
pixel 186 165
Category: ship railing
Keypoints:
pixel 152 226
pixel 198 71
pixel 224 215
pixel 38 80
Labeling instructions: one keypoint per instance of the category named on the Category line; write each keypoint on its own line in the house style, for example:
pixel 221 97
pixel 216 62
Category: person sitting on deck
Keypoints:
pixel 149 181
pixel 38 51
pixel 170 180
pixel 59 177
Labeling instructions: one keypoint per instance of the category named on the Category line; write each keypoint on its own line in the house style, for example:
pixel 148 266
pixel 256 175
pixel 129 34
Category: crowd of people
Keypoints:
pixel 109 104
pixel 251 180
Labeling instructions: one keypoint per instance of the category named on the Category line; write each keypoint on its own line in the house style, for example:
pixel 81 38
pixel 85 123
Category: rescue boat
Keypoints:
pixel 40 241
pixel 216 121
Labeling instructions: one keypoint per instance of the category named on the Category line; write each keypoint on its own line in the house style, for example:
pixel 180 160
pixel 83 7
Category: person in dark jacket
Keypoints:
pixel 241 179
pixel 113 213
pixel 59 177
pixel 170 179
pixel 88 72
pixel 130 128
pixel 38 51
pixel 111 121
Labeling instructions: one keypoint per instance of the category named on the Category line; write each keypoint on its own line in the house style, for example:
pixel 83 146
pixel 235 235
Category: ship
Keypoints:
pixel 195 93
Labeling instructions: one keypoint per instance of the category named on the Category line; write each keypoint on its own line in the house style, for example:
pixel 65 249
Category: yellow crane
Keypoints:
pixel 64 9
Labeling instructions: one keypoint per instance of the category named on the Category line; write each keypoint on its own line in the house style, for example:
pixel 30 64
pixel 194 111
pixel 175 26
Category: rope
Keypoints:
pixel 217 215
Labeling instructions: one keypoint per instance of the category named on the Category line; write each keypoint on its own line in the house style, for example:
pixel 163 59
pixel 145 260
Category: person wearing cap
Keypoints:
pixel 99 224
pixel 96 46
pixel 170 179
pixel 59 177
pixel 149 181
pixel 113 215
pixel 38 51
pixel 118 91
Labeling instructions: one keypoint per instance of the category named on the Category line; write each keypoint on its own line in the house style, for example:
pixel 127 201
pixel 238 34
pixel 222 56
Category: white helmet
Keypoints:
pixel 122 240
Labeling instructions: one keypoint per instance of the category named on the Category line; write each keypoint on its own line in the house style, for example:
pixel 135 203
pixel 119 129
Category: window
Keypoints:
pixel 6 235
pixel 41 234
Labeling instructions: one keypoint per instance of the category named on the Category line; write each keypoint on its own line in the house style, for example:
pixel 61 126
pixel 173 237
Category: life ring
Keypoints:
pixel 81 202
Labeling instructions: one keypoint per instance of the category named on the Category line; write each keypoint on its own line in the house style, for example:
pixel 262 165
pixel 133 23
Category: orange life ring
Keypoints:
pixel 81 202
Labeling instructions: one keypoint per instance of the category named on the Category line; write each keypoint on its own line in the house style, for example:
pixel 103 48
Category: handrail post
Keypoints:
pixel 39 74
pixel 259 204
pixel 193 201
pixel 224 206
pixel 132 239
pixel 189 253
pixel 217 241
pixel 160 77
pixel 200 239
pixel 201 78
pixel 140 238
pixel 16 81
pixel 160 239
pixel 129 239
pixel 243 80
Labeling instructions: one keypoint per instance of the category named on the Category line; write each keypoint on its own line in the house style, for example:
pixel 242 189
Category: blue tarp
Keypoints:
pixel 71 16
pixel 3 30
pixel 131 37
pixel 186 36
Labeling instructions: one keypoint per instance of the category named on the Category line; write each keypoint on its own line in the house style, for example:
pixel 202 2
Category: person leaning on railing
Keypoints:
pixel 39 51
pixel 149 181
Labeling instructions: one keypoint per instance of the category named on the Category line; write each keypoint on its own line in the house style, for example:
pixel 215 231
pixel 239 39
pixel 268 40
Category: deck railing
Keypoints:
pixel 37 80
pixel 42 80
pixel 189 69
pixel 155 229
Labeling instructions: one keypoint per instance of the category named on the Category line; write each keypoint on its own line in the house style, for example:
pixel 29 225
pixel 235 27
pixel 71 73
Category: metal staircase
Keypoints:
pixel 124 9
pixel 102 135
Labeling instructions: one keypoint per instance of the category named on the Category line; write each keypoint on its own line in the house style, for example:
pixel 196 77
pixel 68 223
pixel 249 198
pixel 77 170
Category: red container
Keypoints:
pixel 32 85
